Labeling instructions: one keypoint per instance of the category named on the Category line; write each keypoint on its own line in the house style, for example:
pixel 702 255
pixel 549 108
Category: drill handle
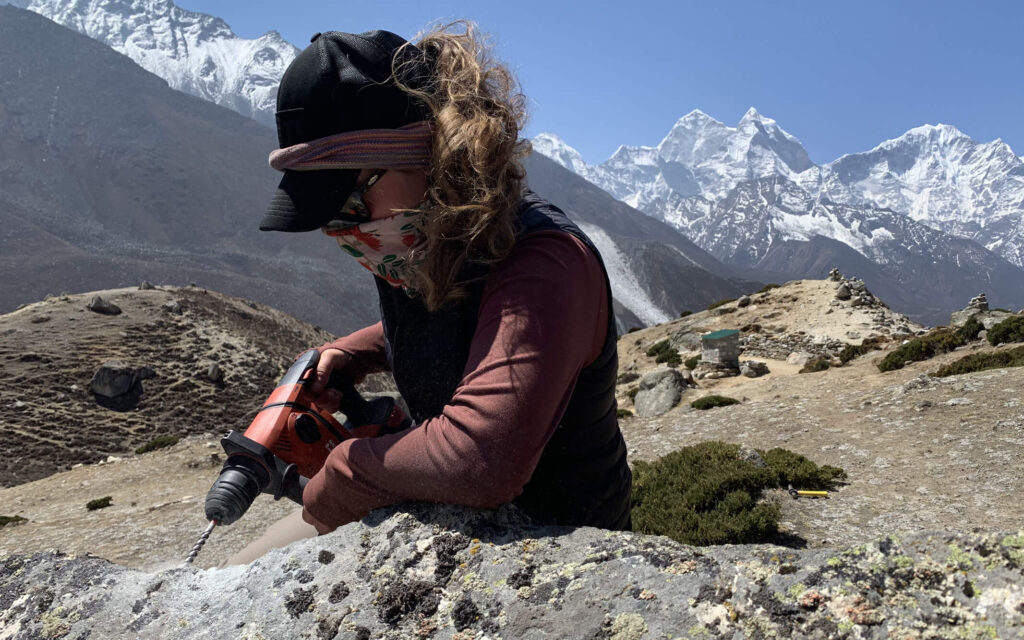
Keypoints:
pixel 353 405
pixel 374 417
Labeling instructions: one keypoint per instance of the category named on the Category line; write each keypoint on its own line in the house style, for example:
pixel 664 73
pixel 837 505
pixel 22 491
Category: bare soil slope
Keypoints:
pixel 49 418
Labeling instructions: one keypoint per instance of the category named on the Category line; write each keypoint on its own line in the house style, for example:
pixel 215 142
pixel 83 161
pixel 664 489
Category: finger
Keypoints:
pixel 330 360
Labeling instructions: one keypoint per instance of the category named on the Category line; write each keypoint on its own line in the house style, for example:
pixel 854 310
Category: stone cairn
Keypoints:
pixel 853 293
pixel 978 303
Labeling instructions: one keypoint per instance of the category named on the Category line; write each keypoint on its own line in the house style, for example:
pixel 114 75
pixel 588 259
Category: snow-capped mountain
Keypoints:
pixel 935 175
pixel 699 156
pixel 939 176
pixel 194 52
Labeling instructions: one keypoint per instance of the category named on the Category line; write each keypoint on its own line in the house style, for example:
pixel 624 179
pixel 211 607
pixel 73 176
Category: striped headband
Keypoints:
pixel 407 147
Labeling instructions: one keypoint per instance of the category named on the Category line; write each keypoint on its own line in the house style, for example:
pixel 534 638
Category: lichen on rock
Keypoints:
pixel 437 571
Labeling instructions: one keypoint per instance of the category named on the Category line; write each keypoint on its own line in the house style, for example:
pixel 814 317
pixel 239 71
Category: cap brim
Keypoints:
pixel 308 200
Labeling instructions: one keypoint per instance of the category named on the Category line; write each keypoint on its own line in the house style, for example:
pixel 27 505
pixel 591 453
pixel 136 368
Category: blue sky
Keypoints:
pixel 840 76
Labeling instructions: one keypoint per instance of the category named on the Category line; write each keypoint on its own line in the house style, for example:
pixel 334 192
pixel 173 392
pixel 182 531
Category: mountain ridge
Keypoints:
pixel 194 52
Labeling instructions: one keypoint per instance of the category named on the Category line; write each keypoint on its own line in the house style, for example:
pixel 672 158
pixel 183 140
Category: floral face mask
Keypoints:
pixel 384 245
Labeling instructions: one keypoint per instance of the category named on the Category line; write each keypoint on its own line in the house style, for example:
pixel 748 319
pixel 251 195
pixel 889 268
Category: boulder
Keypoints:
pixel 99 304
pixel 659 392
pixel 116 385
pixel 843 292
pixel 799 358
pixel 449 572
pixel 743 301
pixel 753 369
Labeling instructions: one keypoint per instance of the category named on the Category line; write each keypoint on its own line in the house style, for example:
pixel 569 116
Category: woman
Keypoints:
pixel 496 309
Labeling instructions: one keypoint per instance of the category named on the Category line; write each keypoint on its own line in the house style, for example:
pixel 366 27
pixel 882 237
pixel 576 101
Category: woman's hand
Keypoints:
pixel 330 360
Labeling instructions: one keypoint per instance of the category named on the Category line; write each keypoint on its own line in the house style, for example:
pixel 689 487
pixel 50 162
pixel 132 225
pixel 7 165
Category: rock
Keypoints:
pixel 834 275
pixel 99 304
pixel 979 302
pixel 753 369
pixel 687 377
pixel 116 385
pixel 743 301
pixel 214 373
pixel 856 301
pixel 444 572
pixel 146 285
pixel 992 318
pixel 799 358
pixel 659 392
pixel 988 319
pixel 750 454
pixel 172 307
pixel 843 292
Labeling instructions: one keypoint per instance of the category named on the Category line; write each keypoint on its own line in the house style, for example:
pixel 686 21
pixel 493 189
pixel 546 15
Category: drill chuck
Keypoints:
pixel 232 494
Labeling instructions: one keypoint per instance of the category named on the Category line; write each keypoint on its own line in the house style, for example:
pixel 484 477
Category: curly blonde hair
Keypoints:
pixel 475 178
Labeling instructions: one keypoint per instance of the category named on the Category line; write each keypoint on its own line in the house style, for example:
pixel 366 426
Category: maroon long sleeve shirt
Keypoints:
pixel 543 317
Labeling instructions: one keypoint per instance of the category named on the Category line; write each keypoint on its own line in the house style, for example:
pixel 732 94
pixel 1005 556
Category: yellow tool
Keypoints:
pixel 806 494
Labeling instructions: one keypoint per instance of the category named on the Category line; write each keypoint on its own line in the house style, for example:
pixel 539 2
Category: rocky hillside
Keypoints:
pixel 922 538
pixel 204 363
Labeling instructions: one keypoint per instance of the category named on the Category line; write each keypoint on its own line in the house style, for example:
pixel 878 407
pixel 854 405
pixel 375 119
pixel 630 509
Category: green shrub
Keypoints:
pixel 924 347
pixel 970 329
pixel 6 520
pixel 710 402
pixel 768 287
pixel 715 305
pixel 1009 330
pixel 98 503
pixel 852 351
pixel 663 352
pixel 632 393
pixel 704 494
pixel 632 329
pixel 981 361
pixel 683 314
pixel 815 365
pixel 625 378
pixel 623 413
pixel 691 363
pixel 795 469
pixel 158 442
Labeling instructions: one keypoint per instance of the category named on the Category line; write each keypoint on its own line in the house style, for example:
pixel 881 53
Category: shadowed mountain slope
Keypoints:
pixel 110 177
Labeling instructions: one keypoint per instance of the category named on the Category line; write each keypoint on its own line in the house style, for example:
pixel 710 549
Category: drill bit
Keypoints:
pixel 199 543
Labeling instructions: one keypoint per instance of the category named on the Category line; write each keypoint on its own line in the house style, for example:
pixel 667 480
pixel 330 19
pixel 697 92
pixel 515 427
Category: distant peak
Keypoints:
pixel 696 114
pixel 936 129
pixel 695 119
pixel 753 115
pixel 552 146
pixel 548 137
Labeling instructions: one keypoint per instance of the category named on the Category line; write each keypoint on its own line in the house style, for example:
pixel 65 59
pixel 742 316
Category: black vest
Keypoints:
pixel 582 478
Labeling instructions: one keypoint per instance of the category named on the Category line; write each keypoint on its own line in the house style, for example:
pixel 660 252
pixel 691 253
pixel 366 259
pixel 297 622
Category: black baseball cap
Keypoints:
pixel 341 82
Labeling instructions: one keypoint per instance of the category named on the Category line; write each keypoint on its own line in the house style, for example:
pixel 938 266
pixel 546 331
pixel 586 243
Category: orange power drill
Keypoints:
pixel 289 441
